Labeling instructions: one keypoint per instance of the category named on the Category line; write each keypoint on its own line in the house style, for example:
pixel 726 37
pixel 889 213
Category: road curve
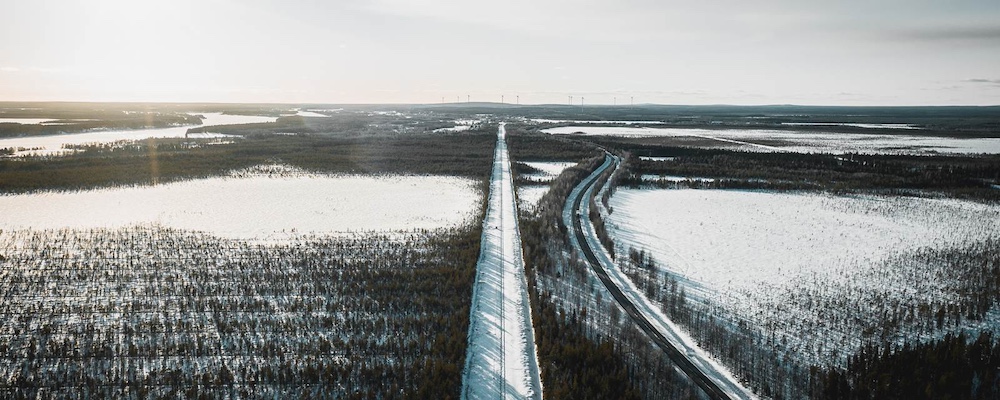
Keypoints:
pixel 717 384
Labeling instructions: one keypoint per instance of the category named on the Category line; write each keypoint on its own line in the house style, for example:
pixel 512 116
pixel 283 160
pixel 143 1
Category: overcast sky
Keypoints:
pixel 855 52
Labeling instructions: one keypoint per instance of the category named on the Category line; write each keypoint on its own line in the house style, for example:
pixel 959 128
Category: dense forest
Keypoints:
pixel 154 312
pixel 953 121
pixel 163 160
pixel 954 367
pixel 952 175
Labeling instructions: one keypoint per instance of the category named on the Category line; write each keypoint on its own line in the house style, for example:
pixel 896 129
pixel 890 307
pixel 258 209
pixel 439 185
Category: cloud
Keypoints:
pixel 9 69
pixel 984 34
pixel 981 80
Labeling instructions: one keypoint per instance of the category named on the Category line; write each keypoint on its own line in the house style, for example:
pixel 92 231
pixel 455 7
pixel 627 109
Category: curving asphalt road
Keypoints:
pixel 716 383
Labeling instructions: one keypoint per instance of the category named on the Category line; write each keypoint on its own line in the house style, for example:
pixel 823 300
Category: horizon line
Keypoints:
pixel 494 103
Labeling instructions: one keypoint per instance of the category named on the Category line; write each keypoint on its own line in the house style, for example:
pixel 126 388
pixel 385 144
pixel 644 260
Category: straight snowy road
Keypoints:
pixel 714 379
pixel 501 360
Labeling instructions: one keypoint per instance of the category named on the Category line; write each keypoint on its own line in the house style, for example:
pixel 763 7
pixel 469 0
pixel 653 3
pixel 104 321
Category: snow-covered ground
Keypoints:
pixel 550 170
pixel 456 128
pixel 53 144
pixel 802 142
pixel 648 158
pixel 26 121
pixel 750 251
pixel 258 203
pixel 854 125
pixel 308 113
pixel 773 238
pixel 461 125
pixel 530 195
pixel 564 121
pixel 501 360
pixel 675 179
pixel 676 336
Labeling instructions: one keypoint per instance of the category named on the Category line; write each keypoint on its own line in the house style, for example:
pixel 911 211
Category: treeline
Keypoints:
pixel 527 145
pixel 949 368
pixel 337 125
pixel 751 353
pixel 836 316
pixel 958 176
pixel 107 121
pixel 574 366
pixel 164 160
pixel 343 124
pixel 937 121
pixel 152 312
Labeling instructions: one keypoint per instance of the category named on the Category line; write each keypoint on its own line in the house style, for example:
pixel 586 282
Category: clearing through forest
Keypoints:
pixel 501 360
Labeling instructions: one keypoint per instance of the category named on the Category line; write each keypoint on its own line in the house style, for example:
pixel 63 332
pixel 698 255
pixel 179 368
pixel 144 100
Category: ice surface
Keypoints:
pixel 26 121
pixel 53 144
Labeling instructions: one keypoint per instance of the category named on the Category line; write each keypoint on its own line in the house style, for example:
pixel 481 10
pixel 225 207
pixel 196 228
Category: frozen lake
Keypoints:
pixel 802 142
pixel 26 121
pixel 53 144
pixel 256 206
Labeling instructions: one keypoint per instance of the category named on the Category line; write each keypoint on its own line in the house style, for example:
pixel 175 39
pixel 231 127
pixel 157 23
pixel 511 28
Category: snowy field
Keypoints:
pixel 308 113
pixel 549 170
pixel 461 125
pixel 260 203
pixel 854 125
pixel 773 258
pixel 53 144
pixel 564 121
pixel 26 121
pixel 802 142
pixel 530 195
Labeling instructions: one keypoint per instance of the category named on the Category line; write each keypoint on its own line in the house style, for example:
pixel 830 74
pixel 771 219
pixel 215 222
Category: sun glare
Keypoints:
pixel 136 47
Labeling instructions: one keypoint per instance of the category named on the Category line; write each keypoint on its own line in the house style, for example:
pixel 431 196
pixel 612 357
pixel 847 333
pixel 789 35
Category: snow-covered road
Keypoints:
pixel 501 360
pixel 715 380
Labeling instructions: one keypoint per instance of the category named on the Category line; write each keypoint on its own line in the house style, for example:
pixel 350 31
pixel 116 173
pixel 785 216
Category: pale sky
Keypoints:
pixel 845 52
